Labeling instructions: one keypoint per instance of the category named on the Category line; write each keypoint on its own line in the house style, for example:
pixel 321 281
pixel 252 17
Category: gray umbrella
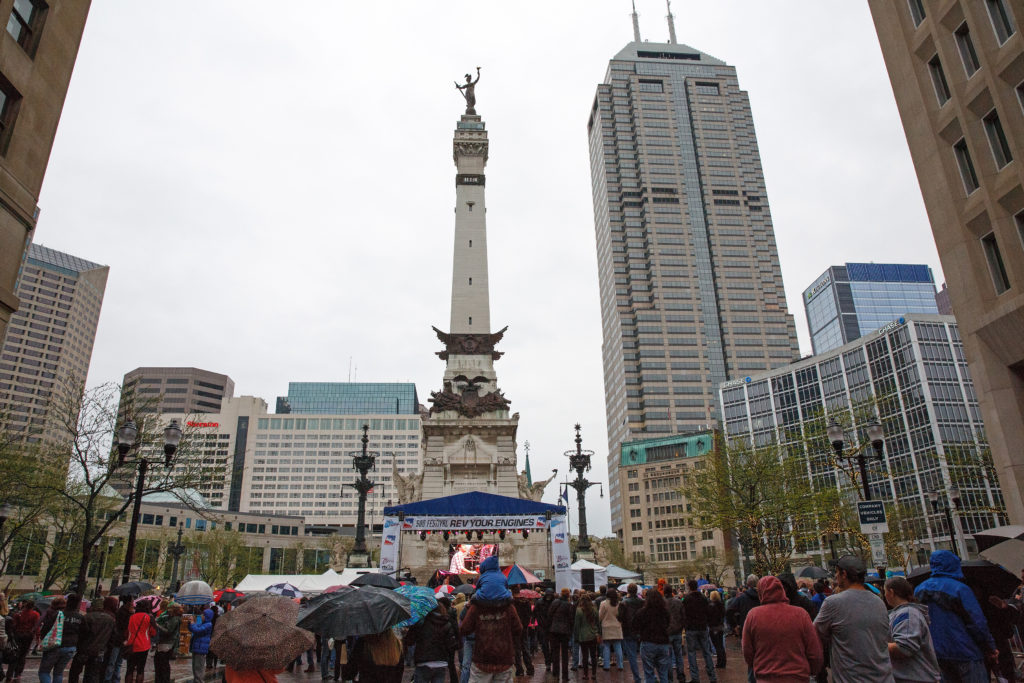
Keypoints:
pixel 357 613
pixel 372 579
pixel 813 572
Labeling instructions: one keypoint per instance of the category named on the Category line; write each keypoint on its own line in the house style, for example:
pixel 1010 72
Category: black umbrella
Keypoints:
pixel 813 572
pixel 466 589
pixel 379 580
pixel 132 588
pixel 357 613
pixel 990 578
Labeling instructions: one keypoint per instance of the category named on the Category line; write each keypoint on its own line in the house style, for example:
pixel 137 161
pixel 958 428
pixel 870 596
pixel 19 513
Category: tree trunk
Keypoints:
pixel 83 565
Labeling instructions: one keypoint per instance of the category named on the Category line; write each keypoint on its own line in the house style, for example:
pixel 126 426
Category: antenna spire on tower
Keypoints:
pixel 671 24
pixel 636 24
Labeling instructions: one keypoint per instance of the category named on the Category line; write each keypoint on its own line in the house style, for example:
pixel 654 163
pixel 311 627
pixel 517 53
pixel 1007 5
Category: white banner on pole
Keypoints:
pixel 560 552
pixel 389 545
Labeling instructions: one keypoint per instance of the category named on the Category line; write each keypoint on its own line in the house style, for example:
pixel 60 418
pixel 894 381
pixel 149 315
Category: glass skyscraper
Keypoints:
pixel 846 302
pixel 690 285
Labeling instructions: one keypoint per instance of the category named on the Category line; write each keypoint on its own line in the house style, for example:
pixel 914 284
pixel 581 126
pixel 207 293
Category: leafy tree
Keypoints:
pixel 83 470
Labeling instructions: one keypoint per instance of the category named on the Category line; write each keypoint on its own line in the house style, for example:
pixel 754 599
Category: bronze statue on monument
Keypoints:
pixel 468 91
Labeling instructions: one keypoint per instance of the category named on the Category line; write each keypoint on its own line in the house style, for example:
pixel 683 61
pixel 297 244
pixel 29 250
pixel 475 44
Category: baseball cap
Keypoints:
pixel 853 566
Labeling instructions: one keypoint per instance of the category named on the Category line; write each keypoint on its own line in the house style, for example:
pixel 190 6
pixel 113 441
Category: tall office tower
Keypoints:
pixel 846 302
pixel 49 340
pixel 957 71
pixel 176 390
pixel 37 55
pixel 691 289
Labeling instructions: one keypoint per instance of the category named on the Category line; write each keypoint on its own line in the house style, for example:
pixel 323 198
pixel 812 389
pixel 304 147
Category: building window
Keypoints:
pixel 963 161
pixel 939 80
pixel 10 102
pixel 916 11
pixel 26 22
pixel 1002 20
pixel 997 139
pixel 968 54
pixel 995 263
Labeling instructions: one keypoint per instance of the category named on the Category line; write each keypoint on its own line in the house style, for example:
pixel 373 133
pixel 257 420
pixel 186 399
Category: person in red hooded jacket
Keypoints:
pixel 779 640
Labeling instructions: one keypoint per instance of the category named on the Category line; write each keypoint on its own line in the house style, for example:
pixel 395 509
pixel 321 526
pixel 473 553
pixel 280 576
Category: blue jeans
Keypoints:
pixel 960 672
pixel 675 643
pixel 657 659
pixel 467 659
pixel 700 640
pixel 55 661
pixel 426 674
pixel 630 648
pixel 113 672
pixel 606 649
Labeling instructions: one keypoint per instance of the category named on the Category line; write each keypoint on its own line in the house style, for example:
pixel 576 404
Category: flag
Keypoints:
pixel 565 493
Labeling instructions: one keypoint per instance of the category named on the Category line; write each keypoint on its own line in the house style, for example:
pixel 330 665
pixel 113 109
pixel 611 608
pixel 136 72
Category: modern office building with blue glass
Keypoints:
pixel 846 302
pixel 350 398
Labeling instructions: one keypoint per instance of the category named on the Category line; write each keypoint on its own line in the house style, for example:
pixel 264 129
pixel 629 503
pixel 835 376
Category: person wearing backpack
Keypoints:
pixel 25 622
pixel 59 629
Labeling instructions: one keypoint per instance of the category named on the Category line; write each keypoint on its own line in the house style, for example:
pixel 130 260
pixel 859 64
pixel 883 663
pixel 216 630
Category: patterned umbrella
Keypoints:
pixel 194 593
pixel 148 603
pixel 445 589
pixel 285 589
pixel 260 634
pixel 421 602
pixel 529 594
pixel 518 574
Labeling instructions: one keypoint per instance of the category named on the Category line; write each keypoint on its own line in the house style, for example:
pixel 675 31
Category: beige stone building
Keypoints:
pixel 37 54
pixel 957 71
pixel 662 534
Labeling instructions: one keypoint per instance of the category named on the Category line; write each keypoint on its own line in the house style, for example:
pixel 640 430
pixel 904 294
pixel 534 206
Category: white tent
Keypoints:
pixel 622 574
pixel 600 573
pixel 307 583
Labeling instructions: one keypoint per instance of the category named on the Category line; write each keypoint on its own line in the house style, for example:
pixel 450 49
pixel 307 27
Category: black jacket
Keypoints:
pixel 695 607
pixel 73 620
pixel 738 608
pixel 434 637
pixel 524 610
pixel 561 617
pixel 627 610
pixel 716 616
pixel 95 633
pixel 540 611
pixel 651 625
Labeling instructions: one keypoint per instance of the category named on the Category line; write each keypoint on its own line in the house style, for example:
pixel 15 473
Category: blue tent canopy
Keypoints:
pixel 475 503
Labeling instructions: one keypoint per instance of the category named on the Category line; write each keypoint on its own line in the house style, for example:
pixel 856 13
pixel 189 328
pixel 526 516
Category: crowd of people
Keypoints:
pixel 790 631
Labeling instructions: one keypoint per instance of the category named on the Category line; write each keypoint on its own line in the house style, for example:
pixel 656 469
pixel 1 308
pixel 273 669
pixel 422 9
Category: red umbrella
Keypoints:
pixel 226 595
pixel 529 594
pixel 332 589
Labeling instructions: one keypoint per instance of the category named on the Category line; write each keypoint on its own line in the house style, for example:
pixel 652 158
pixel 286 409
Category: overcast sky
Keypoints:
pixel 272 184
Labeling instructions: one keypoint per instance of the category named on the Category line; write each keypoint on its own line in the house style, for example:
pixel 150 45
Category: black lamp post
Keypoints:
pixel 126 440
pixel 875 438
pixel 954 495
pixel 579 460
pixel 832 538
pixel 103 563
pixel 363 460
pixel 176 550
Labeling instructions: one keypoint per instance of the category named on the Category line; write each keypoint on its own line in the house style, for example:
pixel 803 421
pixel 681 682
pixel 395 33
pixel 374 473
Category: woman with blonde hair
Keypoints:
pixel 377 658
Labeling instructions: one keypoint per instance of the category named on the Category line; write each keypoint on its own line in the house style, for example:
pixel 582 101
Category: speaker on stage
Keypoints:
pixel 587 579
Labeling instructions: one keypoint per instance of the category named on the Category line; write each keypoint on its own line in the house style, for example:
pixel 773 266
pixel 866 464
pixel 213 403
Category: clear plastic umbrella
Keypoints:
pixel 194 593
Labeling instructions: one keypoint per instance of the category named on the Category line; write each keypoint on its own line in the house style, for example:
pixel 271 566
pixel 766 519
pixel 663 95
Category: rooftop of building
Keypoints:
pixel 664 52
pixel 350 398
pixel 808 361
pixel 662 448
pixel 46 257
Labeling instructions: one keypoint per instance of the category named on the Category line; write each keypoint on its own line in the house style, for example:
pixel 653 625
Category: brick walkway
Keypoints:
pixel 181 670
pixel 734 672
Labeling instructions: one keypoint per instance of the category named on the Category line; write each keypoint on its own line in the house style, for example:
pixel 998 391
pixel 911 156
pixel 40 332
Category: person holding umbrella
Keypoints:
pixel 434 639
pixel 201 630
pixel 258 638
pixel 376 658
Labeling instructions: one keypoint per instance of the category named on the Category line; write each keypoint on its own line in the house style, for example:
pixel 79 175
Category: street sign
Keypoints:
pixel 878 555
pixel 872 517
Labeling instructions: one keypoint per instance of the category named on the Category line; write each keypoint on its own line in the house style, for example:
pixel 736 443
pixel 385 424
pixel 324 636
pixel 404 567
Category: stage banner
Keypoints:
pixel 560 552
pixel 474 523
pixel 389 545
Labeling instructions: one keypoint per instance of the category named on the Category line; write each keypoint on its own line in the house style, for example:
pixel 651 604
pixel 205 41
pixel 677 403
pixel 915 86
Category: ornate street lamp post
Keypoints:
pixel 176 550
pixel 875 438
pixel 579 460
pixel 363 461
pixel 126 440
pixel 954 495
